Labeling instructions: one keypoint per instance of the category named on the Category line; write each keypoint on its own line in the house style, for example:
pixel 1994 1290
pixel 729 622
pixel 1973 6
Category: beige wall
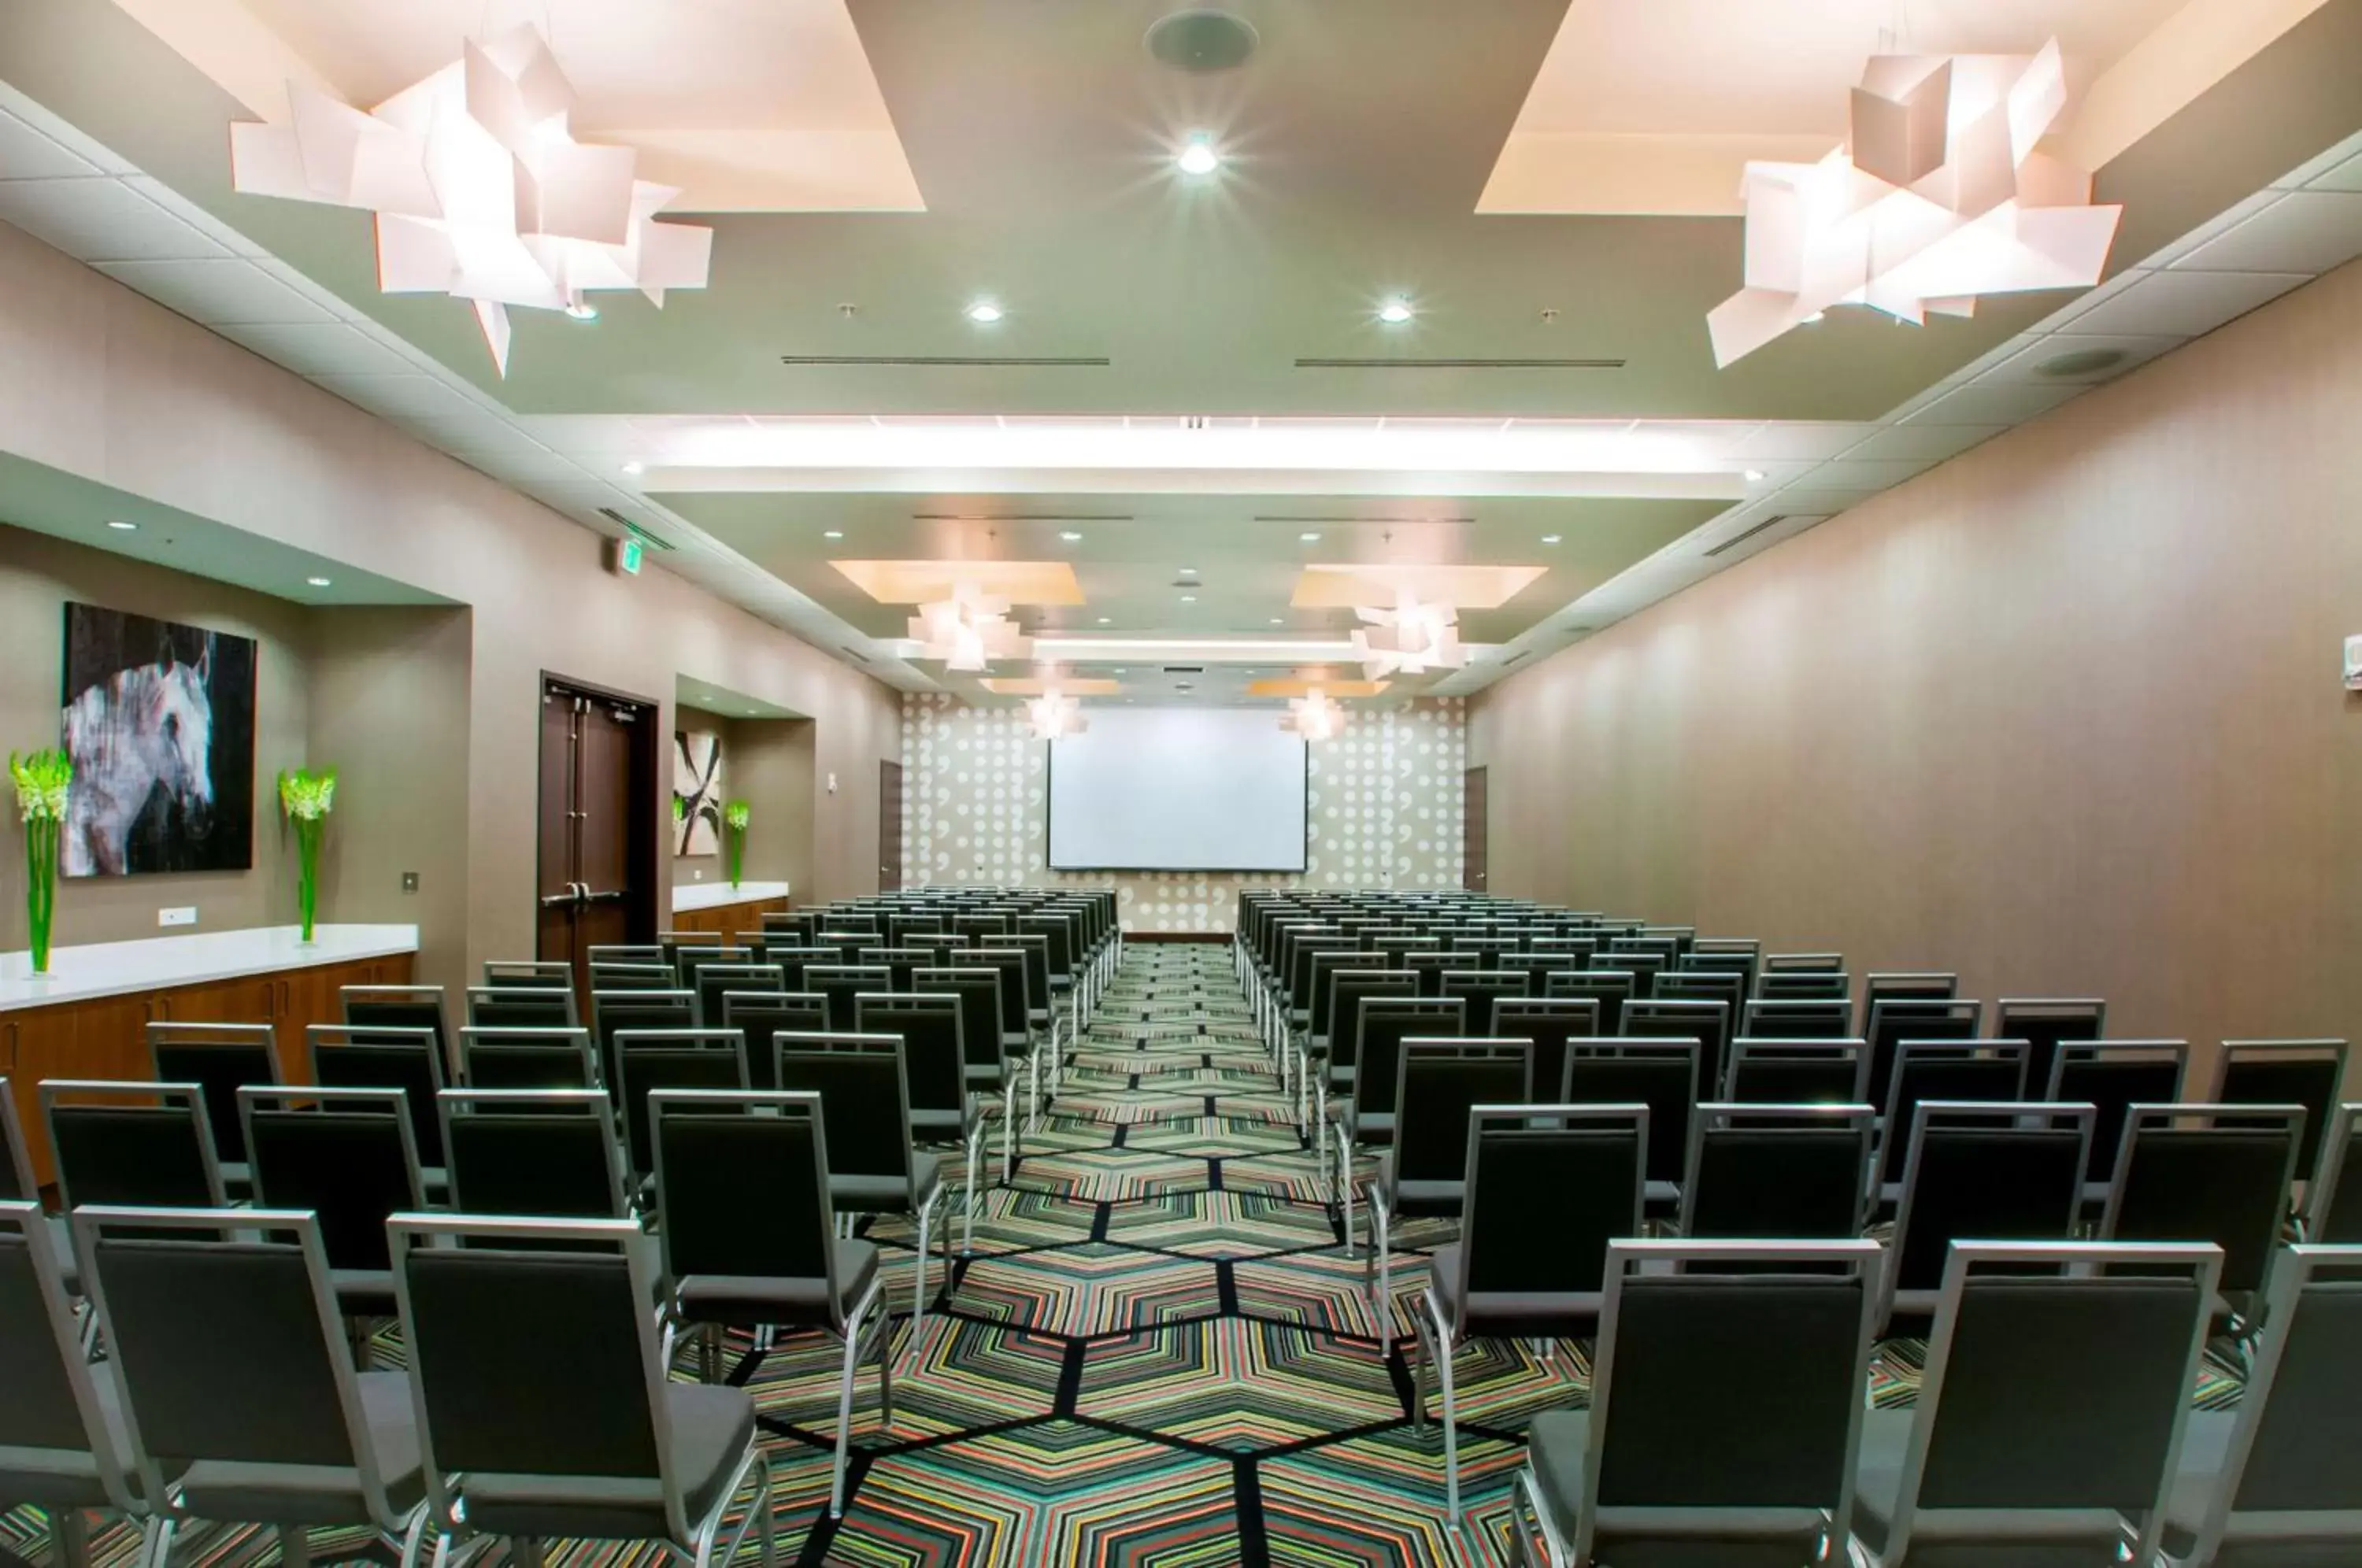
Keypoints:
pixel 1384 807
pixel 2063 714
pixel 103 384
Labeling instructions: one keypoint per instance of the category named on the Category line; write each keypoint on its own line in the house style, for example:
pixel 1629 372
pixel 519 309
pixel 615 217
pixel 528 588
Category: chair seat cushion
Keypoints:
pixel 1557 1444
pixel 711 1429
pixel 321 1494
pixel 748 1300
pixel 1421 1198
pixel 888 1194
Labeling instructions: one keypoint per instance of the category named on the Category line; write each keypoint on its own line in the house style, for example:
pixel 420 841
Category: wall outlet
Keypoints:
pixel 410 881
pixel 831 783
pixel 695 876
pixel 184 916
pixel 2354 664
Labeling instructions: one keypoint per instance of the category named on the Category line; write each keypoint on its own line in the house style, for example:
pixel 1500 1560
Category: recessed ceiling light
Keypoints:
pixel 1189 599
pixel 1107 620
pixel 1070 537
pixel 635 468
pixel 984 313
pixel 122 528
pixel 1552 538
pixel 583 310
pixel 1394 312
pixel 1307 538
pixel 317 582
pixel 1754 476
pixel 833 534
pixel 1279 620
pixel 1123 672
pixel 1188 572
pixel 1197 156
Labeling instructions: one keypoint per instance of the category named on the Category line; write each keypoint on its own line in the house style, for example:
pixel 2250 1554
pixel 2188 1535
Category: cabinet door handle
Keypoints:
pixel 13 1046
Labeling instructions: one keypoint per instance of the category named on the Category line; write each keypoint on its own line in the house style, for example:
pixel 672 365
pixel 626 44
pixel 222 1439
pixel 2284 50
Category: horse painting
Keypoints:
pixel 162 748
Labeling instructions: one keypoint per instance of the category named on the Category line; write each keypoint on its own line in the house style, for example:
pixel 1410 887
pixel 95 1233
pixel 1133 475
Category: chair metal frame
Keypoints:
pixel 2336 1148
pixel 972 1139
pixel 1378 1274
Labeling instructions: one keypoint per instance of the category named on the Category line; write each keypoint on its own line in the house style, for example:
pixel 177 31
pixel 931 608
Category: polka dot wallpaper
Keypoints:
pixel 1385 810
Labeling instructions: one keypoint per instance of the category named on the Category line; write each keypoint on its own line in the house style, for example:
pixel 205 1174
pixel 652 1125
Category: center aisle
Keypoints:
pixel 1159 1354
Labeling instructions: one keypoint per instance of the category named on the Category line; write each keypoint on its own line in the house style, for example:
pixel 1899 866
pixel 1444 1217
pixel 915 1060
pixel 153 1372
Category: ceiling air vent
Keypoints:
pixel 1184 669
pixel 1772 521
pixel 855 654
pixel 1521 654
pixel 633 529
pixel 1385 522
pixel 1020 517
pixel 930 361
pixel 1404 364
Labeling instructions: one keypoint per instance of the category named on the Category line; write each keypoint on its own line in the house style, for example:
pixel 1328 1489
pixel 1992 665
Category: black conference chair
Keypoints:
pixel 2333 1209
pixel 1762 1172
pixel 221 1059
pixel 527 1058
pixel 529 974
pixel 1891 1020
pixel 1423 1173
pixel 2206 1173
pixel 534 1152
pixel 18 1186
pixel 761 1016
pixel 548 1412
pixel 1335 1063
pixel 398 1011
pixel 2111 1076
pixel 1660 1074
pixel 2051 1418
pixel 2310 1072
pixel 347 1157
pixel 1776 1071
pixel 409 1057
pixel 148 1145
pixel 1807 985
pixel 651 1059
pixel 1979 1172
pixel 521 1007
pixel 1547 1023
pixel 1942 1069
pixel 2044 1023
pixel 1369 1115
pixel 934 1061
pixel 1628 1480
pixel 1829 1019
pixel 874 1166
pixel 983 1043
pixel 655 976
pixel 1545 1190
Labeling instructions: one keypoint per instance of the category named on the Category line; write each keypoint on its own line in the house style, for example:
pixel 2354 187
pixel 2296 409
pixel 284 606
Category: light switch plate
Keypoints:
pixel 410 881
pixel 2354 664
pixel 186 915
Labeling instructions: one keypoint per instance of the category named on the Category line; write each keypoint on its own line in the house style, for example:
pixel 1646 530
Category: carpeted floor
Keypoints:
pixel 1157 1356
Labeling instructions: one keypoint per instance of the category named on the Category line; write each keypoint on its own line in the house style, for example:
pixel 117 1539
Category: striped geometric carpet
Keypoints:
pixel 1157 1356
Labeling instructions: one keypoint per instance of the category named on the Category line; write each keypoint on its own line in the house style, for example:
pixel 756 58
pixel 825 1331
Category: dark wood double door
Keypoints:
pixel 598 815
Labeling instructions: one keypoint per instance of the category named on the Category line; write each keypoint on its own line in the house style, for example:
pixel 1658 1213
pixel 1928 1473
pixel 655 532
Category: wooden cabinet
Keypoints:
pixel 728 920
pixel 107 1037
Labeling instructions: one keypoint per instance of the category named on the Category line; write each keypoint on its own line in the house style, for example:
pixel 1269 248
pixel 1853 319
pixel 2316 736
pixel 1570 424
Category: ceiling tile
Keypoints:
pixel 2187 303
pixel 2346 176
pixel 2213 228
pixel 100 220
pixel 1993 404
pixel 27 154
pixel 2024 367
pixel 403 396
pixel 1800 441
pixel 218 293
pixel 2313 168
pixel 312 350
pixel 1932 442
pixel 2093 300
pixel 1872 474
pixel 2304 231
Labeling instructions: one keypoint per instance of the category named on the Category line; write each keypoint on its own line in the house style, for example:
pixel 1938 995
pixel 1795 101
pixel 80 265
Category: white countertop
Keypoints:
pixel 713 895
pixel 116 969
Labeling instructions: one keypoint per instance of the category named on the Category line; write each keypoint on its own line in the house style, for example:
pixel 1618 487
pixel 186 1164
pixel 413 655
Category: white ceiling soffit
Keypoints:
pixel 73 193
pixel 2304 224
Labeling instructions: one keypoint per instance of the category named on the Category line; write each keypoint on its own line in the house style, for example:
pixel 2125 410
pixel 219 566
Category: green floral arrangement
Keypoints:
pixel 734 817
pixel 306 798
pixel 43 781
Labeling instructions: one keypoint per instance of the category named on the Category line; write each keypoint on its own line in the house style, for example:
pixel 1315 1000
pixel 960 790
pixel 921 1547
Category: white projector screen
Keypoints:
pixel 1178 789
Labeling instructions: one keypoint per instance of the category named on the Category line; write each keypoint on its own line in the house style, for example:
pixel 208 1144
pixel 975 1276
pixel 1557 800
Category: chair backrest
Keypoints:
pixel 1059 941
pixel 843 984
pixel 864 1097
pixel 634 952
pixel 2206 1173
pixel 1386 1023
pixel 613 1011
pixel 2053 1397
pixel 1548 1023
pixel 148 1145
pixel 1300 974
pixel 550 1151
pixel 17 1183
pixel 1807 985
pixel 1348 990
pixel 1768 1172
pixel 51 1404
pixel 1609 987
pixel 652 1059
pixel 898 963
pixel 1660 1073
pixel 1727 987
pixel 408 1057
pixel 2310 1072
pixel 1785 1437
pixel 978 989
pixel 2300 1422
pixel 759 1016
pixel 347 1155
pixel 395 1011
pixel 1783 1071
pixel 1549 1186
pixel 501 1057
pixel 2113 1075
pixel 1642 964
pixel 710 1144
pixel 1426 967
pixel 521 1007
pixel 716 979
pixel 934 1053
pixel 228 1352
pixel 1036 949
pixel 1016 990
pixel 2044 1023
pixel 529 1361
pixel 1804 963
pixel 1708 1022
pixel 1909 986
pixel 1823 1019
pixel 1985 1172
pixel 221 1059
pixel 631 977
pixel 1944 1069
pixel 1894 1019
pixel 540 974
pixel 1437 1083
pixel 1328 969
pixel 1483 987
pixel 2333 1206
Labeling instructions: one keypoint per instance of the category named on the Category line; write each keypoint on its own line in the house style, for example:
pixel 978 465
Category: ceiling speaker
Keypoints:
pixel 1201 41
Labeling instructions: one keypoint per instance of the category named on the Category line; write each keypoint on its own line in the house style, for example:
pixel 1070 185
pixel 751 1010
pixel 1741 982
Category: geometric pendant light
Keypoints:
pixel 1936 196
pixel 1411 639
pixel 969 630
pixel 1314 716
pixel 478 190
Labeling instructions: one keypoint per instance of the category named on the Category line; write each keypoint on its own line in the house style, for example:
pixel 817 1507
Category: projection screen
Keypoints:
pixel 1178 789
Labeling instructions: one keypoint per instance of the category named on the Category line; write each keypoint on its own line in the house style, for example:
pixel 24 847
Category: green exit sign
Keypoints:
pixel 623 556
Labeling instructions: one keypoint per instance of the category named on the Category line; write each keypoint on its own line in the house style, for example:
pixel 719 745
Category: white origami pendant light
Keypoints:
pixel 1936 197
pixel 478 190
pixel 1314 716
pixel 969 630
pixel 1054 713
pixel 1409 639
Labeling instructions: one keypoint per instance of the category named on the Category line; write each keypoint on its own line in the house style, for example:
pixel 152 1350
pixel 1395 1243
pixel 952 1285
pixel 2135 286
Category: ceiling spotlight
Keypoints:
pixel 1279 620
pixel 583 310
pixel 1394 312
pixel 1307 538
pixel 1754 476
pixel 1071 536
pixel 833 534
pixel 984 313
pixel 122 528
pixel 1107 620
pixel 1189 599
pixel 317 582
pixel 1552 538
pixel 1197 156
pixel 635 467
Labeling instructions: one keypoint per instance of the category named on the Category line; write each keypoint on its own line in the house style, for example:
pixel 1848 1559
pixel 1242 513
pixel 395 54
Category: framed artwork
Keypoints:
pixel 159 723
pixel 697 792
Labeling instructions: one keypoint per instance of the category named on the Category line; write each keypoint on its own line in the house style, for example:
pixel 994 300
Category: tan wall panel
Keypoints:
pixel 2063 714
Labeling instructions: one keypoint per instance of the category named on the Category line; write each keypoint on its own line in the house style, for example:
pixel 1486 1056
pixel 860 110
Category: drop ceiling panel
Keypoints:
pixel 27 154
pixel 1997 404
pixel 2186 304
pixel 2304 231
pixel 2024 367
pixel 1932 442
pixel 100 220
pixel 332 349
pixel 220 292
pixel 2346 176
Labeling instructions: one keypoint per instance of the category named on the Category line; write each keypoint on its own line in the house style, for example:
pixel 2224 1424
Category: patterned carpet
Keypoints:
pixel 1157 1356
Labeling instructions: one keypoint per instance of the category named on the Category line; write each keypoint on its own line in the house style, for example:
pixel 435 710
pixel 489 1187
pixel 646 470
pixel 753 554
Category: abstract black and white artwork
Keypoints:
pixel 697 792
pixel 159 723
